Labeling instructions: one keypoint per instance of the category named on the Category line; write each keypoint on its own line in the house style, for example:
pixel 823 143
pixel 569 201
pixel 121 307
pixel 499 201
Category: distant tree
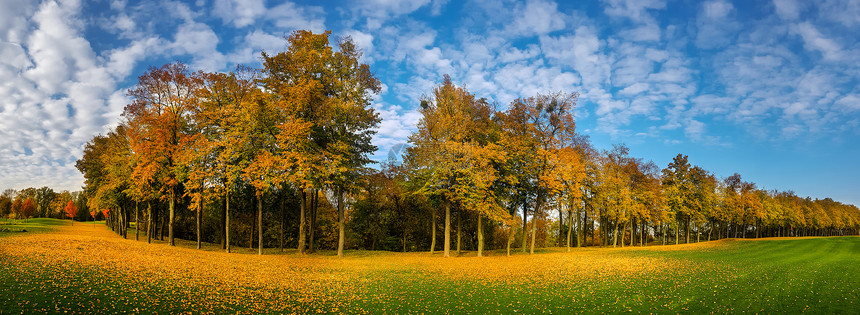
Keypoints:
pixel 5 206
pixel 71 210
pixel 28 208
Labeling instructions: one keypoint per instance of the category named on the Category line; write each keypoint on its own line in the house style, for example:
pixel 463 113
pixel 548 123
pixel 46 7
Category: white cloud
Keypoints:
pixel 788 9
pixel 538 17
pixel 715 28
pixel 846 12
pixel 814 40
pixel 54 92
pixel 239 12
pixel 289 16
pixel 201 42
pixel 636 10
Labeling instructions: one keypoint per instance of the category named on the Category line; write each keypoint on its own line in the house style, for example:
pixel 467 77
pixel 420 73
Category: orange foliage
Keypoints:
pixel 71 210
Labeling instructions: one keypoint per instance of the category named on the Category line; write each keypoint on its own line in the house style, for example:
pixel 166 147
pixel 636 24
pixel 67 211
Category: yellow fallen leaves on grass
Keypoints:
pixel 214 281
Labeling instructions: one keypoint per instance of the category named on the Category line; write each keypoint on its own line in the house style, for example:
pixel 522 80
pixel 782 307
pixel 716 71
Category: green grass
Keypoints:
pixel 38 225
pixel 817 275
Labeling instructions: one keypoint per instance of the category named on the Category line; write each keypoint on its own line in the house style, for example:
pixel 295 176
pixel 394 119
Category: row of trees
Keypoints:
pixel 281 153
pixel 43 203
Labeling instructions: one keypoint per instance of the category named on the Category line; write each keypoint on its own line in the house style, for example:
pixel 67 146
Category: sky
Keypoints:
pixel 767 89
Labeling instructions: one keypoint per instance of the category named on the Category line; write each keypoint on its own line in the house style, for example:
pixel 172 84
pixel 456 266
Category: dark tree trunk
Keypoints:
pixel 459 230
pixel 149 227
pixel 227 220
pixel 525 226
pixel 480 236
pixel 136 221
pixel 534 224
pixel 314 209
pixel 433 231
pixel 341 222
pixel 199 217
pixel 447 245
pixel 283 220
pixel 172 215
pixel 302 207
pixel 260 222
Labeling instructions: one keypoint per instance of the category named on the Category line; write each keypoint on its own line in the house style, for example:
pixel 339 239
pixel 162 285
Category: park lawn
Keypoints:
pixel 86 268
pixel 11 227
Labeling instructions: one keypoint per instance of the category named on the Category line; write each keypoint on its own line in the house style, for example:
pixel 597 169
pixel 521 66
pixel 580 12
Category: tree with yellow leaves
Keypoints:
pixel 455 157
pixel 329 93
pixel 158 119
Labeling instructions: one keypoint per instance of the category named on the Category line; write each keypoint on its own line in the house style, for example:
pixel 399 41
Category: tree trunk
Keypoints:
pixel 199 216
pixel 223 227
pixel 253 225
pixel 459 230
pixel 580 231
pixel 676 232
pixel 711 229
pixel 136 221
pixel 687 232
pixel 433 231
pixel 227 220
pixel 302 207
pixel 615 238
pixel 312 226
pixel 341 225
pixel 534 225
pixel 283 220
pixel 697 233
pixel 172 215
pixel 149 228
pixel 560 227
pixel 480 236
pixel 510 239
pixel 260 223
pixel 447 244
pixel 570 227
pixel 525 226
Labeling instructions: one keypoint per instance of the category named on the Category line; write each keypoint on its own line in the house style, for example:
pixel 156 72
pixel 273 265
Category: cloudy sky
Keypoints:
pixel 768 89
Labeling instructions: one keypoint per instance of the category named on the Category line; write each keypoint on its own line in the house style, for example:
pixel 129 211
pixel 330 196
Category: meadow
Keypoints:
pixel 60 266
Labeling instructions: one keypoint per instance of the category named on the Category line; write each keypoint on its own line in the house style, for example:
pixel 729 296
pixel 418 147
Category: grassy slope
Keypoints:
pixel 765 276
pixel 39 225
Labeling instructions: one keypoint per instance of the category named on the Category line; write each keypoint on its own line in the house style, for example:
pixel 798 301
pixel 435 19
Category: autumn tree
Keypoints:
pixel 678 190
pixel 158 120
pixel 70 210
pixel 28 208
pixel 328 92
pixel 456 157
pixel 543 125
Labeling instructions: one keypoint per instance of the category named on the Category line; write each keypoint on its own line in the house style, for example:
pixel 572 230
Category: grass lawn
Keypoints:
pixel 39 225
pixel 86 268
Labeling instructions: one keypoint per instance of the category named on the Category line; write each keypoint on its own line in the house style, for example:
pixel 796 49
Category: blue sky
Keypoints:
pixel 768 89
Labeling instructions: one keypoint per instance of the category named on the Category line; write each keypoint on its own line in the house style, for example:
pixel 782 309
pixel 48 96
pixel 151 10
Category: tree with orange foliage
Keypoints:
pixel 540 126
pixel 158 117
pixel 28 207
pixel 71 210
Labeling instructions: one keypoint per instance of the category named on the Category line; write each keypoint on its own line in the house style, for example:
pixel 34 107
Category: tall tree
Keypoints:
pixel 331 91
pixel 158 118
pixel 545 124
pixel 456 157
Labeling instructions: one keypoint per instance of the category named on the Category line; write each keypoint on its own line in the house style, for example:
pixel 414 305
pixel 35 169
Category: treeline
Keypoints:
pixel 43 203
pixel 278 157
